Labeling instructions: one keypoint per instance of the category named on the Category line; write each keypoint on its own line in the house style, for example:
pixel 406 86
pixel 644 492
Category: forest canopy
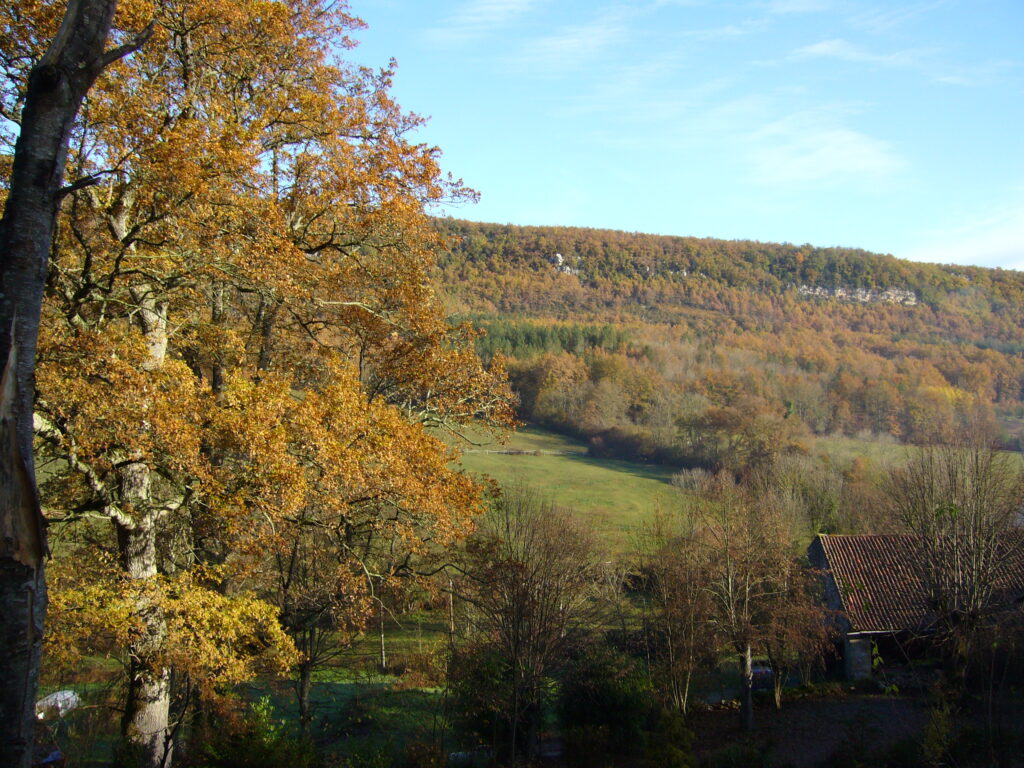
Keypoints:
pixel 702 352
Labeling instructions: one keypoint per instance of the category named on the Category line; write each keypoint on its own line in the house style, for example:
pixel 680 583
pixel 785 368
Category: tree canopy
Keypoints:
pixel 240 342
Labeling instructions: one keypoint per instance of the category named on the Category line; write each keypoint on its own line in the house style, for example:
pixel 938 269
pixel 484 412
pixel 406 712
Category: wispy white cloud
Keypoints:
pixel 720 33
pixel 837 48
pixel 478 18
pixel 645 100
pixel 813 148
pixel 979 75
pixel 883 19
pixel 630 87
pixel 993 239
pixel 926 61
pixel 783 7
pixel 575 46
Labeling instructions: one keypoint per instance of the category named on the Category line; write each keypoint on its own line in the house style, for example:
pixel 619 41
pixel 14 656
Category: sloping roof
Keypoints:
pixel 879 588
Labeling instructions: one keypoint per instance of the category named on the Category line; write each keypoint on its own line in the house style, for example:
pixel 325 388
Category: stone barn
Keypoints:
pixel 872 581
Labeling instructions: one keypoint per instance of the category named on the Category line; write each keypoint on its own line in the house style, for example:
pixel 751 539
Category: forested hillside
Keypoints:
pixel 703 352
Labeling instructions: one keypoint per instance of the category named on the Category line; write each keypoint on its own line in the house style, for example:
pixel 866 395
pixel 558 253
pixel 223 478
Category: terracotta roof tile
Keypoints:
pixel 878 586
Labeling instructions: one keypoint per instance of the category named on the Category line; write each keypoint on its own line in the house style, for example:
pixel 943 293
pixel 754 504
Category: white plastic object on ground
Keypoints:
pixel 58 703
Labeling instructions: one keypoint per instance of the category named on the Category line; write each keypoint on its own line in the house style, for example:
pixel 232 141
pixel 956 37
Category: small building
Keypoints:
pixel 874 584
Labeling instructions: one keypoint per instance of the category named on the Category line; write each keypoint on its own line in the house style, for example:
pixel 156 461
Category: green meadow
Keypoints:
pixel 883 451
pixel 614 496
pixel 617 496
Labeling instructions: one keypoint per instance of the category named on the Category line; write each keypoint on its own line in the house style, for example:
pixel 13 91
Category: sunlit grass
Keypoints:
pixel 614 497
pixel 883 450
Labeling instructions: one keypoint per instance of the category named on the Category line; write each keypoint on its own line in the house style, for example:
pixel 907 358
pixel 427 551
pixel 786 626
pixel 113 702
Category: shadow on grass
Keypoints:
pixel 371 720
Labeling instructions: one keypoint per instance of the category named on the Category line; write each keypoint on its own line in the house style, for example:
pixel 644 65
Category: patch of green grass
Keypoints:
pixel 614 497
pixel 883 451
pixel 358 719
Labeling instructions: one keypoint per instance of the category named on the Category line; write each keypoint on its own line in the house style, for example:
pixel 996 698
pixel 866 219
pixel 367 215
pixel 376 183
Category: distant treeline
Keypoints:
pixel 602 254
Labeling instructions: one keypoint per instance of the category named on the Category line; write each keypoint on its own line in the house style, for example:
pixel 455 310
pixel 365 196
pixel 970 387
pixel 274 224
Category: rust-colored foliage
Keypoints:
pixel 240 340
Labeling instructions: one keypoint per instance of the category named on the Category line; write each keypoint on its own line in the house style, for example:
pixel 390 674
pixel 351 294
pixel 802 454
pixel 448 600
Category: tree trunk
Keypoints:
pixel 383 648
pixel 266 318
pixel 686 689
pixel 56 87
pixel 145 725
pixel 451 614
pixel 305 685
pixel 747 683
pixel 146 722
pixel 515 711
pixel 779 675
pixel 217 319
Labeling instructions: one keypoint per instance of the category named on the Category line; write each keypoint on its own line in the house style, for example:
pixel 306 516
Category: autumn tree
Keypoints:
pixel 747 550
pixel 799 631
pixel 743 437
pixel 240 340
pixel 799 634
pixel 380 501
pixel 676 575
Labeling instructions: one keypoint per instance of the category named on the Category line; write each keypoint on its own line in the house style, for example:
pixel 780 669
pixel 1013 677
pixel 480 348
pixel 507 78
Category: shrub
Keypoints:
pixel 261 741
pixel 480 681
pixel 587 746
pixel 669 743
pixel 735 756
pixel 605 702
pixel 422 754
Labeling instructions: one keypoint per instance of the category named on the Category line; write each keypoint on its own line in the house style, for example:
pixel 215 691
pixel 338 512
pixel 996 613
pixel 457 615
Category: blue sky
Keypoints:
pixel 891 126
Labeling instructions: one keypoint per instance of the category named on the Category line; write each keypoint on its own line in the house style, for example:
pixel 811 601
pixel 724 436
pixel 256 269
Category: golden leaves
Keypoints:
pixel 333 450
pixel 89 613
pixel 221 640
pixel 240 309
pixel 96 388
pixel 218 640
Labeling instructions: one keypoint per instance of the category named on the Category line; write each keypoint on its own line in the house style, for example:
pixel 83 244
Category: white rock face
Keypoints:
pixel 862 295
pixel 558 260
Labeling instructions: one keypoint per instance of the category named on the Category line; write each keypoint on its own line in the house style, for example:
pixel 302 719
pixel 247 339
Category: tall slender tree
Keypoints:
pixel 530 578
pixel 43 108
pixel 963 503
pixel 747 551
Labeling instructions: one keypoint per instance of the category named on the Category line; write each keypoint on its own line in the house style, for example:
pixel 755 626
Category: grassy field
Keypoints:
pixel 883 451
pixel 617 496
pixel 614 496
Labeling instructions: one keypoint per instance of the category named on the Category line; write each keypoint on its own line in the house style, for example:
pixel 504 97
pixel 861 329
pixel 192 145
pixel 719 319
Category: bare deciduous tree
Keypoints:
pixel 531 572
pixel 747 551
pixel 963 502
pixel 799 633
pixel 677 573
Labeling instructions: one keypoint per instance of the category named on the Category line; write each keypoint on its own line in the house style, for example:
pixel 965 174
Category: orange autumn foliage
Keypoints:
pixel 241 340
